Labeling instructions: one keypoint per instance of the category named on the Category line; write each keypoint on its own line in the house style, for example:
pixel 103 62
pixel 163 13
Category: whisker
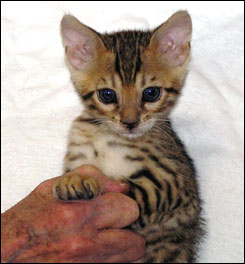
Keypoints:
pixel 161 128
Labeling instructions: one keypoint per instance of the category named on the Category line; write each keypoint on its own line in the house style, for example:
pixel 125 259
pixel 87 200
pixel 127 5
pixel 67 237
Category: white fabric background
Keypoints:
pixel 39 102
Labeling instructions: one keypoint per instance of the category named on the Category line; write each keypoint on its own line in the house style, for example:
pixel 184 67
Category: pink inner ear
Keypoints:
pixel 76 58
pixel 72 37
pixel 79 47
pixel 173 43
pixel 167 45
pixel 173 37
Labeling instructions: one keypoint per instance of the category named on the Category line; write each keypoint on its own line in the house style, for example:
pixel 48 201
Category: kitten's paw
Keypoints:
pixel 74 187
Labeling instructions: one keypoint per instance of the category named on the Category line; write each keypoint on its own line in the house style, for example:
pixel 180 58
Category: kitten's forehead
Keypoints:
pixel 127 47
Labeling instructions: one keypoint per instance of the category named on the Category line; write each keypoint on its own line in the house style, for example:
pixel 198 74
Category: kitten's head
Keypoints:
pixel 128 80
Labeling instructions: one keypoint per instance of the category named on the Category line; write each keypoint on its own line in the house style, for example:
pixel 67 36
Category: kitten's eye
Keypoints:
pixel 107 96
pixel 151 94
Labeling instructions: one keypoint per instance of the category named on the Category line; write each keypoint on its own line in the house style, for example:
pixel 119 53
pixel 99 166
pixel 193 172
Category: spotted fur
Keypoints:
pixel 149 157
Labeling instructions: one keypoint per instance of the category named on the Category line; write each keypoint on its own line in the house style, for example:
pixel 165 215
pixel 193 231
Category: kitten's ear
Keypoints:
pixel 81 43
pixel 172 39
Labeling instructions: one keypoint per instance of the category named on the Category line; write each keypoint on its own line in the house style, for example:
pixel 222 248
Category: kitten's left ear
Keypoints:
pixel 172 39
pixel 82 44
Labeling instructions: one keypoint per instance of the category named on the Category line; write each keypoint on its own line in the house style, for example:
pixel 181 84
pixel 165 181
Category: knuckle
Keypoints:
pixel 42 187
pixel 88 168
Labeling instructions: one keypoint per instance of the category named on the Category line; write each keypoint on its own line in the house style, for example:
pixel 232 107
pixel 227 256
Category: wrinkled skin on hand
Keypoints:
pixel 43 229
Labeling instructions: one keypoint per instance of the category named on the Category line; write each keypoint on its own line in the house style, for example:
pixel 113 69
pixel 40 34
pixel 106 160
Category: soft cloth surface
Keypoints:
pixel 39 102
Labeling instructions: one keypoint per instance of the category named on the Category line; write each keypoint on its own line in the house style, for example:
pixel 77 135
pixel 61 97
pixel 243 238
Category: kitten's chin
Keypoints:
pixel 131 135
pixel 127 134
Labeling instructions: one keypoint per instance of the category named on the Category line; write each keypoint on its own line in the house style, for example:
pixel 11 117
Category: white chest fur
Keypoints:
pixel 112 158
pixel 108 153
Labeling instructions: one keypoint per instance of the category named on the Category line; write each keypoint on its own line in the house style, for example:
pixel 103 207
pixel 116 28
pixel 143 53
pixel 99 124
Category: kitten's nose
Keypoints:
pixel 130 125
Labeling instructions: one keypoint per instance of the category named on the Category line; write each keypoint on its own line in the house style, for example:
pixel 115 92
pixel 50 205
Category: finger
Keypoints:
pixel 114 210
pixel 122 245
pixel 111 210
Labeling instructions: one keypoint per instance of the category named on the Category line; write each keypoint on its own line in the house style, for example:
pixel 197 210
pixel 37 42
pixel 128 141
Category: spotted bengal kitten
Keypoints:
pixel 129 81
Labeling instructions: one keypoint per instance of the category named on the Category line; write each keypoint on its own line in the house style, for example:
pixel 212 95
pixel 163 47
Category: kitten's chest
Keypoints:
pixel 115 157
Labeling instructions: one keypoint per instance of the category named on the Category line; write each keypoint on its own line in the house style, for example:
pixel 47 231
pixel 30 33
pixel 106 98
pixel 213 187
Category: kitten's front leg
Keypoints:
pixel 75 186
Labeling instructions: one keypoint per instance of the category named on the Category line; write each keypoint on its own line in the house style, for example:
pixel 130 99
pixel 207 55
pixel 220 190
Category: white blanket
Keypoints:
pixel 39 102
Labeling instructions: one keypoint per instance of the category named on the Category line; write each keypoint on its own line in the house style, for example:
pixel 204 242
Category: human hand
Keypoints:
pixel 42 229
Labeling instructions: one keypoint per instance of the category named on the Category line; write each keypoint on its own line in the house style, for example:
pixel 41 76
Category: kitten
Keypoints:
pixel 129 81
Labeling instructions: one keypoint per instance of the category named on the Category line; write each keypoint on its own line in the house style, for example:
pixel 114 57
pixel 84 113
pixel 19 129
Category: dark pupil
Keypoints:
pixel 107 95
pixel 151 94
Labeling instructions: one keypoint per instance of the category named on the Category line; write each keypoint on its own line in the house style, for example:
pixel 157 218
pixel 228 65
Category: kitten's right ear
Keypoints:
pixel 81 43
